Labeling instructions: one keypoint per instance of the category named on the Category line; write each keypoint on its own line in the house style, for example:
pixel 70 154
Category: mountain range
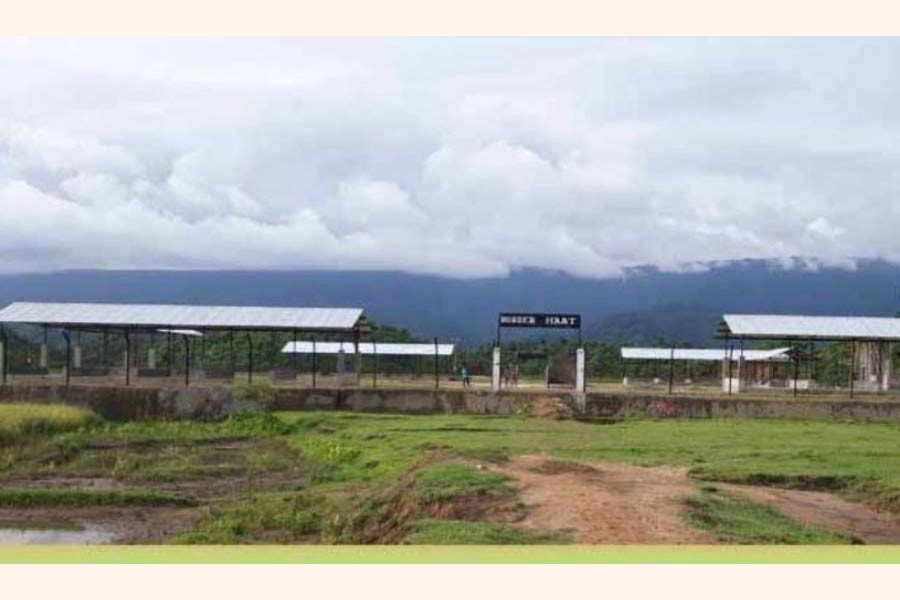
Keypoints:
pixel 638 307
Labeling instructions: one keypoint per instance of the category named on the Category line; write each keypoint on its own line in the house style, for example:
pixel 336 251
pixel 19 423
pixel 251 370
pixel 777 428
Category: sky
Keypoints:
pixel 464 157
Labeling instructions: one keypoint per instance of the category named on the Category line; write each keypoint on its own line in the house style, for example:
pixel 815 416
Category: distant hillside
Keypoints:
pixel 672 323
pixel 637 307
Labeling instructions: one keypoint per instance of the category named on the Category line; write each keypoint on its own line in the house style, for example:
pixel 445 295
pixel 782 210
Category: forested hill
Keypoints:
pixel 638 307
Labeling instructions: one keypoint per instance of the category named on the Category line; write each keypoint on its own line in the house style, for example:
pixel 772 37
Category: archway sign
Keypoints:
pixel 539 321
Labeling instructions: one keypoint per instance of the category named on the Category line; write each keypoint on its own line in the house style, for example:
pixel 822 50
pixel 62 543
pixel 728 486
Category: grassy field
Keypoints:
pixel 18 419
pixel 354 478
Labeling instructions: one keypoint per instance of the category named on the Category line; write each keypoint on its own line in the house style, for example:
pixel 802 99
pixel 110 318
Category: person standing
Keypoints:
pixel 464 376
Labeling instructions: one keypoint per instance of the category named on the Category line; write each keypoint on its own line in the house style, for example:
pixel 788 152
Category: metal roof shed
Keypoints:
pixel 181 319
pixel 870 336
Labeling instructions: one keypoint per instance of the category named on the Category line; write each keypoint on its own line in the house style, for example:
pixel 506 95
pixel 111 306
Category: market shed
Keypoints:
pixel 374 350
pixel 182 321
pixel 758 366
pixel 869 339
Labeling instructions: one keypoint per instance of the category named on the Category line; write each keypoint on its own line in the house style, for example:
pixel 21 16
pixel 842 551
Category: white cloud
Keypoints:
pixel 461 157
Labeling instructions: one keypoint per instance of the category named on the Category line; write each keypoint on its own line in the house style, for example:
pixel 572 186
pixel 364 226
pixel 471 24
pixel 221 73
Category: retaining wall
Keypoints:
pixel 128 403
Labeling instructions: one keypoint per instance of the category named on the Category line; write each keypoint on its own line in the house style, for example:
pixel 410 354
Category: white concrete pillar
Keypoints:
pixel 43 359
pixel 151 358
pixel 886 366
pixel 495 370
pixel 76 357
pixel 579 370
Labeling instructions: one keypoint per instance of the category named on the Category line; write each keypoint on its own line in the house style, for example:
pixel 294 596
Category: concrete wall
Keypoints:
pixel 127 403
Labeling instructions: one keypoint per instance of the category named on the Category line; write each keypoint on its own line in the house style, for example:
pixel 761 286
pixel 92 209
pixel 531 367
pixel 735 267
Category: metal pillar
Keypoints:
pixel 77 356
pixel 68 356
pixel 374 365
pixel 127 358
pixel 671 367
pixel 314 362
pixel 203 351
pixel 231 350
pixel 796 370
pixel 358 355
pixel 44 360
pixel 250 358
pixel 730 359
pixel 437 375
pixel 852 365
pixel 4 344
pixel 187 360
pixel 169 351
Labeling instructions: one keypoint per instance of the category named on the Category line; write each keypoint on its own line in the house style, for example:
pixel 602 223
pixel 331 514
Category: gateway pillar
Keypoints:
pixel 495 369
pixel 579 370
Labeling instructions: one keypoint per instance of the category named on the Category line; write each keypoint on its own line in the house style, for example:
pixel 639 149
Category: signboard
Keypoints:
pixel 547 320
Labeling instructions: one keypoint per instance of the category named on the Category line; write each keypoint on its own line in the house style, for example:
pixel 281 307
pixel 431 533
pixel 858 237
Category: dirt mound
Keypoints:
pixel 605 503
pixel 828 511
pixel 383 517
pixel 548 407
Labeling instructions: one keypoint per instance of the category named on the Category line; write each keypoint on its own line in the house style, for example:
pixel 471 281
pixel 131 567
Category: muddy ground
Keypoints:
pixel 621 504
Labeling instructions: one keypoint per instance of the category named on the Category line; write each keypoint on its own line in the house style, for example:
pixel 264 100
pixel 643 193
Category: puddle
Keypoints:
pixel 25 534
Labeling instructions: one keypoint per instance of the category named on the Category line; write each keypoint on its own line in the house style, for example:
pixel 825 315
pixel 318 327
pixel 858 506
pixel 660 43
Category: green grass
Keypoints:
pixel 73 498
pixel 18 419
pixel 841 455
pixel 452 480
pixel 738 520
pixel 433 531
pixel 273 518
pixel 344 459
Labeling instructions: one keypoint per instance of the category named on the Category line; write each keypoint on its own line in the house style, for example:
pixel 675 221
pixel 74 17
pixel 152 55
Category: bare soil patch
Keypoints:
pixel 606 503
pixel 828 511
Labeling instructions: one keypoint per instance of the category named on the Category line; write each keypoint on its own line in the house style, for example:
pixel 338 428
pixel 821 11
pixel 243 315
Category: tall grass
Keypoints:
pixel 19 419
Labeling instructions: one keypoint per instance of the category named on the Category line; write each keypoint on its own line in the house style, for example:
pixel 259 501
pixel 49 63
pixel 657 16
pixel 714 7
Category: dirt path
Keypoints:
pixel 828 511
pixel 606 504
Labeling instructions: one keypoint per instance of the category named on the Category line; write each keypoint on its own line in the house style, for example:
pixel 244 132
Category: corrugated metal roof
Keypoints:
pixel 385 348
pixel 813 327
pixel 191 332
pixel 704 354
pixel 173 316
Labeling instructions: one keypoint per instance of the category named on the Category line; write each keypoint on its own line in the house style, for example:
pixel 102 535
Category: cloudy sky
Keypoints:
pixel 463 157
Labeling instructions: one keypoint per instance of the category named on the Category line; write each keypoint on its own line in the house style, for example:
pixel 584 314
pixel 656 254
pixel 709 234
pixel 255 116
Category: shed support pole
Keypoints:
pixel 437 375
pixel 671 367
pixel 68 356
pixel 730 357
pixel 796 360
pixel 374 365
pixel 127 358
pixel 314 363
pixel 169 351
pixel 44 356
pixel 187 360
pixel 231 353
pixel 852 365
pixel 886 366
pixel 249 358
pixel 3 346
